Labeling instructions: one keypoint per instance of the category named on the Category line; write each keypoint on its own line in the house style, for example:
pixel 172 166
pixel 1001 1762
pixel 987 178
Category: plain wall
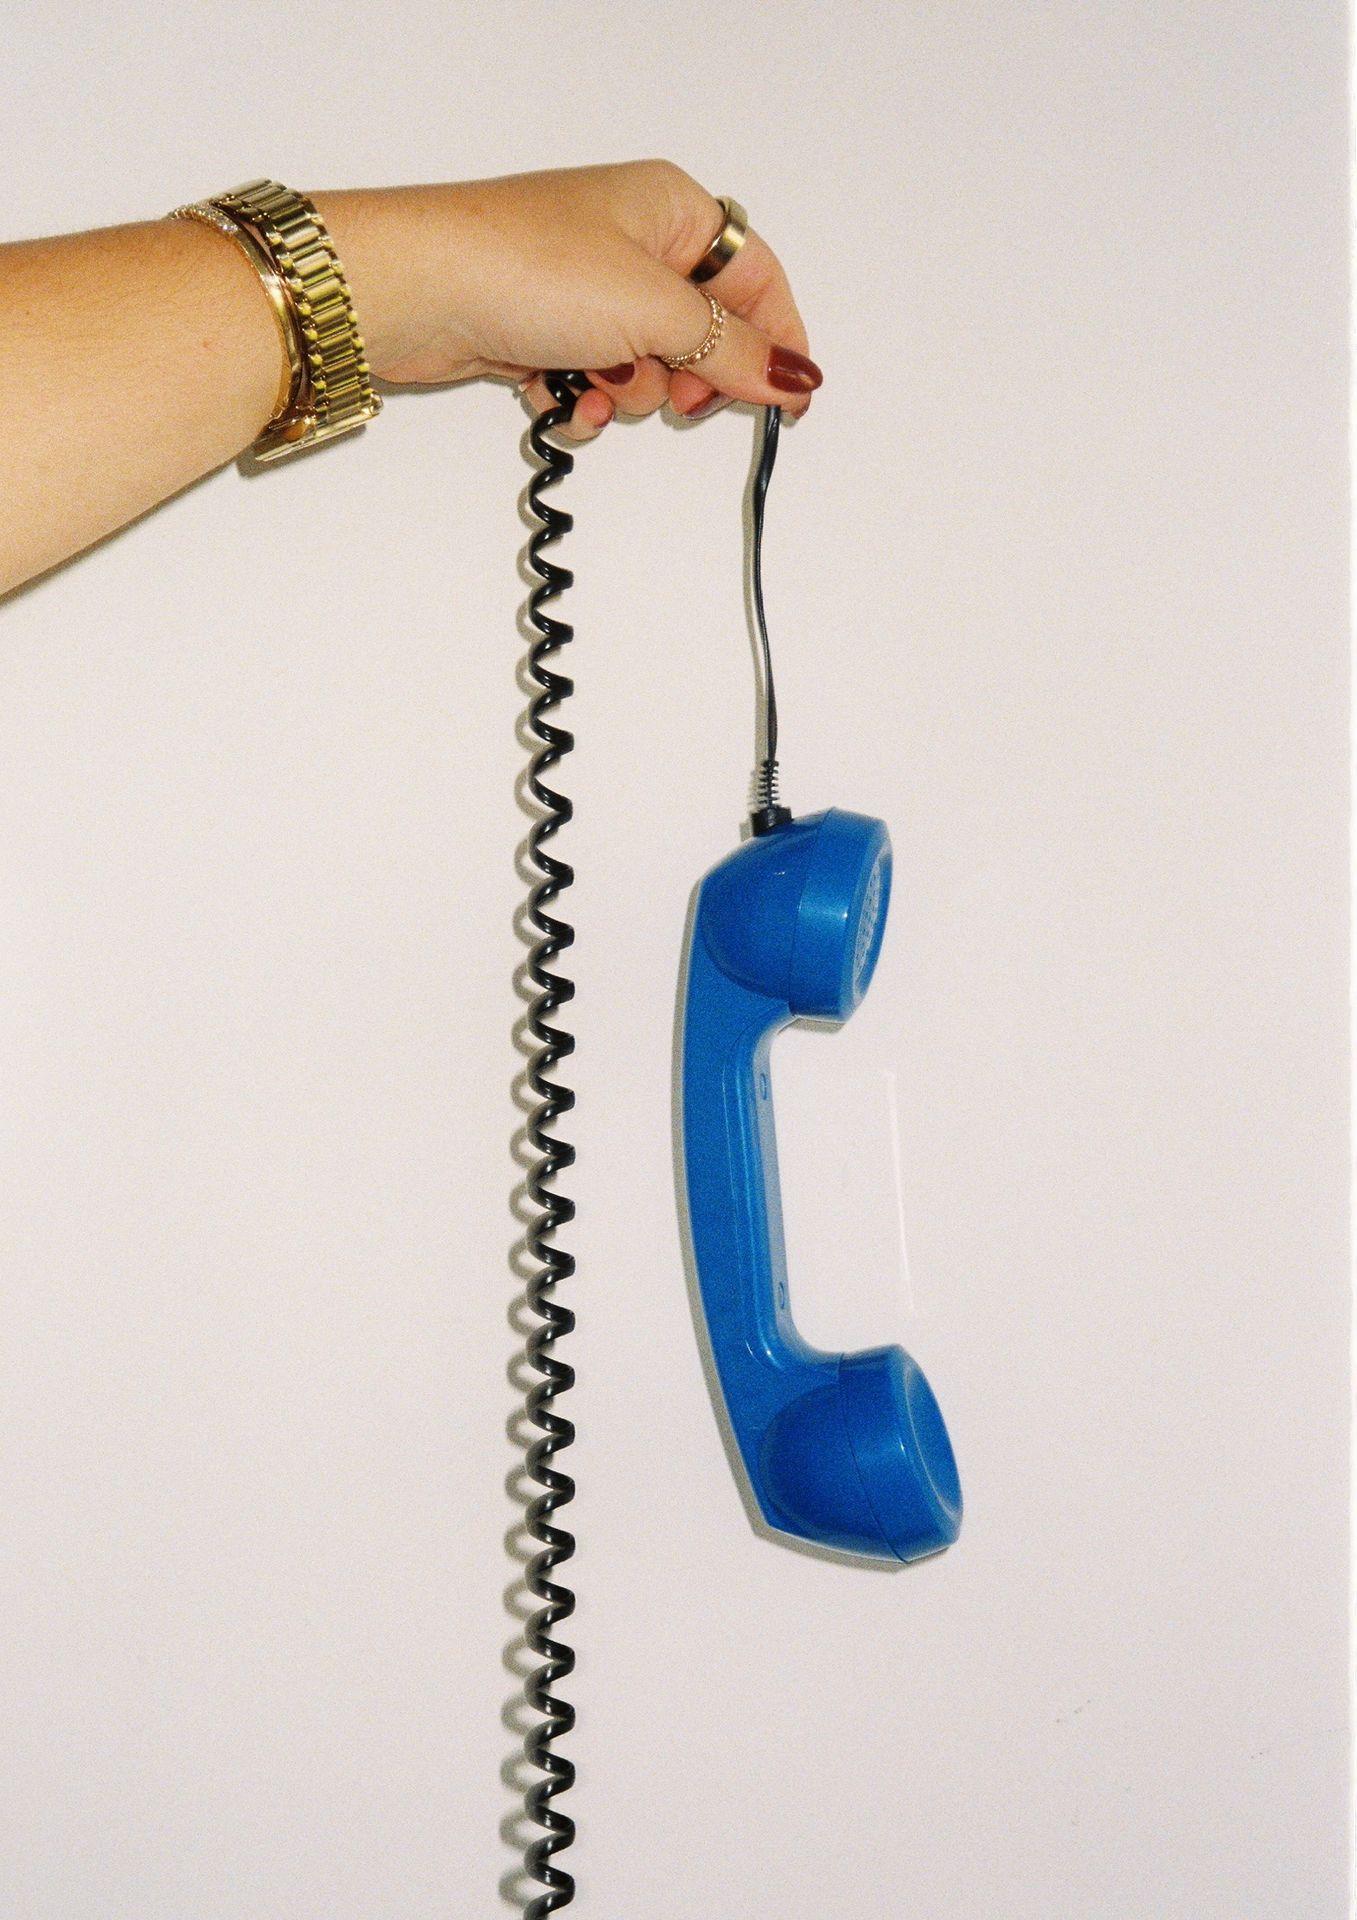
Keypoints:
pixel 1056 574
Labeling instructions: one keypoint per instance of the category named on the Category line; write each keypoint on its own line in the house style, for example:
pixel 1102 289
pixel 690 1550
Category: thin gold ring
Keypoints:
pixel 727 243
pixel 713 334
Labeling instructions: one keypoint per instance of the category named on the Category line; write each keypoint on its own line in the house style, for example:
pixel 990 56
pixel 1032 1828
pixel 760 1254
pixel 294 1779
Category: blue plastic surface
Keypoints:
pixel 846 1450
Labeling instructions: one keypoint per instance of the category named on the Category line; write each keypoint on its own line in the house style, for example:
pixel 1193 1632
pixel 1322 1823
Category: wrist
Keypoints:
pixel 379 257
pixel 405 253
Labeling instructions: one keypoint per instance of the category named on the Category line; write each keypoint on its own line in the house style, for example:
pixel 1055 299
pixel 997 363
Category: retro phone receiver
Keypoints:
pixel 848 1450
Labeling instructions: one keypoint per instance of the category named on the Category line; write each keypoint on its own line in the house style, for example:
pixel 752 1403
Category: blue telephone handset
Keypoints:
pixel 845 1450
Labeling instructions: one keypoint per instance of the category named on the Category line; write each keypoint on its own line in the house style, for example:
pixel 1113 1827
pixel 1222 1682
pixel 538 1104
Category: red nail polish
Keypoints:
pixel 792 372
pixel 618 376
pixel 711 404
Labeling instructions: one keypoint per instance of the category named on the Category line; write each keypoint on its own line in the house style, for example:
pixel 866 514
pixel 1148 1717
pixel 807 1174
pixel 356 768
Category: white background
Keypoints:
pixel 1056 575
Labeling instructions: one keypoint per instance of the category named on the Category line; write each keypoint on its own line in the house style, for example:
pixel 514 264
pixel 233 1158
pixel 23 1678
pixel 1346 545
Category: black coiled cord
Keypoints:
pixel 552 1263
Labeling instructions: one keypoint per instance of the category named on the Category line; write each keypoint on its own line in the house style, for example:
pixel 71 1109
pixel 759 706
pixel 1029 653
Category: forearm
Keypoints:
pixel 136 359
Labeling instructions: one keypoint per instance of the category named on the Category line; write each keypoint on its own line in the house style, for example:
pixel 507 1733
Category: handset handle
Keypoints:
pixel 847 1450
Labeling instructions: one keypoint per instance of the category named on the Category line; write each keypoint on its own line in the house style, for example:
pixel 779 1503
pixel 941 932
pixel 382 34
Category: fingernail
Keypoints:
pixel 597 412
pixel 792 372
pixel 618 376
pixel 712 403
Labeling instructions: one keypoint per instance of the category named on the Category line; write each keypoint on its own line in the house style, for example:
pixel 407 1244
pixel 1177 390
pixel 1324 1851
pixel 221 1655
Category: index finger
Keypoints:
pixel 755 286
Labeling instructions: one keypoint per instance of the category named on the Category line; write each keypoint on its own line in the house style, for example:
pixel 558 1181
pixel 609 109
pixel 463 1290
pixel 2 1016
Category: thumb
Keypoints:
pixel 743 362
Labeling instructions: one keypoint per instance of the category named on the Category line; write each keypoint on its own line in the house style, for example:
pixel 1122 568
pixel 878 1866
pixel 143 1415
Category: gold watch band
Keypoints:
pixel 336 394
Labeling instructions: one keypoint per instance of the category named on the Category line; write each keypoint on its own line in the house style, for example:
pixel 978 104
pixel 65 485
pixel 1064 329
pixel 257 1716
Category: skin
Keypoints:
pixel 139 358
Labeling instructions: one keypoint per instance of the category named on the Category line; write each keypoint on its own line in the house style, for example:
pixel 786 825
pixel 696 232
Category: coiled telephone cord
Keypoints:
pixel 552 1263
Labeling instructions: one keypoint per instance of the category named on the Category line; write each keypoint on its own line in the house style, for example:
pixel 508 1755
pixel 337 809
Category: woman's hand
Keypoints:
pixel 581 268
pixel 137 358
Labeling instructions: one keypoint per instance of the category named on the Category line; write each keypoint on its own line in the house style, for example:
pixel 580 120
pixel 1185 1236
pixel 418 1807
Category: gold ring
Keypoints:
pixel 714 332
pixel 727 243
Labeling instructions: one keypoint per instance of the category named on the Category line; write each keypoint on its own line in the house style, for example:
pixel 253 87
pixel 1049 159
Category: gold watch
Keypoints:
pixel 327 375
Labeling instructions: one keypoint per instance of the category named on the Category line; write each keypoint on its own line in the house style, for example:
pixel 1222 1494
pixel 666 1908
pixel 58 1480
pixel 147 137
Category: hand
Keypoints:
pixel 580 268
